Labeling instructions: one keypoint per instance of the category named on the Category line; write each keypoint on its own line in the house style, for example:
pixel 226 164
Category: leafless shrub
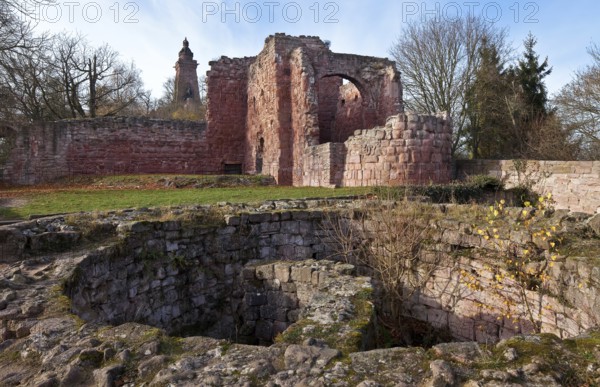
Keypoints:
pixel 389 239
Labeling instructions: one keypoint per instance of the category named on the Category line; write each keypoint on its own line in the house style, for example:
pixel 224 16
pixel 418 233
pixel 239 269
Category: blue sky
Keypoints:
pixel 150 32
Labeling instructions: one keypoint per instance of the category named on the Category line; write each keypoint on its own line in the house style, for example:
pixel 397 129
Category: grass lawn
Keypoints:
pixel 66 200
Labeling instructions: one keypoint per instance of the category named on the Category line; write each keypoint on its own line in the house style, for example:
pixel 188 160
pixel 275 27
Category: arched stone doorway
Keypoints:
pixel 342 108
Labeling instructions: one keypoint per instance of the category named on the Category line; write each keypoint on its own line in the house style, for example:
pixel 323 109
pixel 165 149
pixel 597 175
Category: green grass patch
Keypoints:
pixel 167 181
pixel 76 200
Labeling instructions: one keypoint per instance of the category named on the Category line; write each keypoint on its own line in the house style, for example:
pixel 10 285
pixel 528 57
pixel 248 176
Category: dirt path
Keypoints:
pixel 12 202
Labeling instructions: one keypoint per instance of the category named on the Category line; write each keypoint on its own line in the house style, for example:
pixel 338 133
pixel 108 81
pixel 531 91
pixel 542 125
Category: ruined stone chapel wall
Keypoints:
pixel 294 100
pixel 40 153
pixel 227 108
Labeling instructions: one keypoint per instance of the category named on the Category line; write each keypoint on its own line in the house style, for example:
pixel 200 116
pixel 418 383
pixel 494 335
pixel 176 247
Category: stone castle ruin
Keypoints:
pixel 297 111
pixel 283 105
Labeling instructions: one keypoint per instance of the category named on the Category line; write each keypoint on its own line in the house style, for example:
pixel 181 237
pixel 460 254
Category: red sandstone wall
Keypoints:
pixel 305 110
pixel 105 146
pixel 410 149
pixel 349 117
pixel 227 96
pixel 324 165
pixel 575 185
pixel 293 100
pixel 263 113
pixel 269 109
pixel 329 101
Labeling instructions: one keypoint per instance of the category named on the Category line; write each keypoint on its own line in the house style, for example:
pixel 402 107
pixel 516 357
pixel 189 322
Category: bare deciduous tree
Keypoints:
pixel 578 106
pixel 438 60
pixel 388 239
pixel 64 77
pixel 16 28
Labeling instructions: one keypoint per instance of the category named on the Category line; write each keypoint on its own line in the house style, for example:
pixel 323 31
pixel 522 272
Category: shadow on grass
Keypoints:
pixel 7 214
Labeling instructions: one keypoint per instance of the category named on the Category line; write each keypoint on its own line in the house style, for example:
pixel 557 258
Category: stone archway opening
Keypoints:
pixel 341 108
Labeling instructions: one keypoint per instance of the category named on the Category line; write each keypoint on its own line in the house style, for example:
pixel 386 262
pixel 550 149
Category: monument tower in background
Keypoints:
pixel 186 77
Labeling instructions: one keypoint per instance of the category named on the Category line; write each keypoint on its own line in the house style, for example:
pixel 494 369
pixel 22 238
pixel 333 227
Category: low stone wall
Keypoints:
pixel 462 294
pixel 575 185
pixel 175 275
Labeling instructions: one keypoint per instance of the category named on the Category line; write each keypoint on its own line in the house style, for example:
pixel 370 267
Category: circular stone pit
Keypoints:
pixel 250 304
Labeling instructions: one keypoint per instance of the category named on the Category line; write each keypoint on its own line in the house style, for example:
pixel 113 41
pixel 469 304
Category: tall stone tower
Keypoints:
pixel 186 77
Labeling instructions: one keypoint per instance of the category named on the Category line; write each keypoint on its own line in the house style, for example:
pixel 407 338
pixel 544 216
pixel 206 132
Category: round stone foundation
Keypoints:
pixel 249 304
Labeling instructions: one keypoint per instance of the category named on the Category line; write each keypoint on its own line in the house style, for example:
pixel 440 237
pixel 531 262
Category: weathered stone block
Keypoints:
pixel 265 272
pixel 282 272
pixel 437 318
pixel 273 313
pixel 255 299
pixel 282 300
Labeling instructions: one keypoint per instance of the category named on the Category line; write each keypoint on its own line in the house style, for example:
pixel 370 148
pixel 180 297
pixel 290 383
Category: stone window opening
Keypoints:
pixel 232 169
pixel 189 93
pixel 260 149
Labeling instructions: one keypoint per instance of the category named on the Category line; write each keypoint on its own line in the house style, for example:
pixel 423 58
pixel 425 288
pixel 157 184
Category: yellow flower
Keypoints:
pixel 541 199
pixel 549 196
pixel 525 212
pixel 552 244
pixel 527 204
pixel 503 202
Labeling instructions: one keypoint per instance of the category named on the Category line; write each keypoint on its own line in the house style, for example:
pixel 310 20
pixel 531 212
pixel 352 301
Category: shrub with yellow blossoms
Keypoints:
pixel 528 245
